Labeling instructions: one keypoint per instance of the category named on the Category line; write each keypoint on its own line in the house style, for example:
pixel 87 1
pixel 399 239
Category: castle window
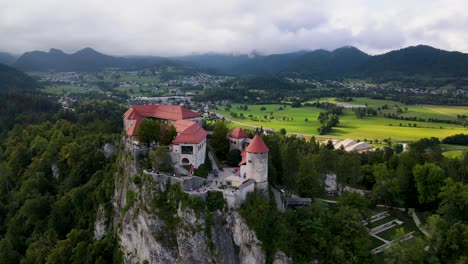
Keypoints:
pixel 187 149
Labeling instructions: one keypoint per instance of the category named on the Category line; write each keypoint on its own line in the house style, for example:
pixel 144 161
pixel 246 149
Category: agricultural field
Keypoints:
pixel 69 89
pixel 277 116
pixel 292 119
pixel 125 77
pixel 140 91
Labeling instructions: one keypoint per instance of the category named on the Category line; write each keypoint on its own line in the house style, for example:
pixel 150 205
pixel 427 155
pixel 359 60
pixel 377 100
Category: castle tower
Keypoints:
pixel 257 162
pixel 236 138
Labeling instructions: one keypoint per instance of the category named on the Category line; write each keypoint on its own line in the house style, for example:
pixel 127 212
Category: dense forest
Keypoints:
pixel 420 178
pixel 12 80
pixel 54 176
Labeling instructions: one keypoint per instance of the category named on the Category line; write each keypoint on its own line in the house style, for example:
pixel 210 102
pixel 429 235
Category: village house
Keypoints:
pixel 188 147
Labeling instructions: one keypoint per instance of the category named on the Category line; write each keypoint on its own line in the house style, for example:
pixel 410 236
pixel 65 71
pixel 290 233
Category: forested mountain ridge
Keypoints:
pixel 342 62
pixel 322 63
pixel 7 58
pixel 423 60
pixel 85 60
pixel 13 80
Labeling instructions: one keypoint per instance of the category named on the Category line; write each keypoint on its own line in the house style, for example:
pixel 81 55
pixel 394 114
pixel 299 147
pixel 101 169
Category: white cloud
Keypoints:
pixel 156 27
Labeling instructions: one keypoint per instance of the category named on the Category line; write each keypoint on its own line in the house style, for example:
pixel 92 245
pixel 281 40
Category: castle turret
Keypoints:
pixel 237 137
pixel 257 162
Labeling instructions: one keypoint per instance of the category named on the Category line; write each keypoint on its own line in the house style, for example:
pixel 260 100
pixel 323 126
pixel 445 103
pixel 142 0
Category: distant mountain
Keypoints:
pixel 421 60
pixel 213 61
pixel 7 58
pixel 342 62
pixel 12 80
pixel 310 63
pixel 271 64
pixel 84 60
pixel 322 63
pixel 253 64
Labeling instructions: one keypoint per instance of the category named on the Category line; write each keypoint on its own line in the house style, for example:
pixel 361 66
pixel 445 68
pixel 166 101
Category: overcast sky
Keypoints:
pixel 177 27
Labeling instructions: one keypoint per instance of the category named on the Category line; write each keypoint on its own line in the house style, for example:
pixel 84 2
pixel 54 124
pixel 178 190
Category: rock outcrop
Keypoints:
pixel 195 236
pixel 100 225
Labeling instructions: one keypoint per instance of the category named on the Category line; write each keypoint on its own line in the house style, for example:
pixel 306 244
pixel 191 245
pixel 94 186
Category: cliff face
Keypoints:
pixel 187 236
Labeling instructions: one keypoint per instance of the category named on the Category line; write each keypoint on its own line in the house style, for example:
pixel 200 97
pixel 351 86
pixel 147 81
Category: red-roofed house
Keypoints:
pixel 189 146
pixel 238 139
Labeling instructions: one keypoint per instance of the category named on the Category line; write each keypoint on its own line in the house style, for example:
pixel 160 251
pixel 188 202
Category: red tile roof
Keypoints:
pixel 132 130
pixel 244 158
pixel 257 145
pixel 169 112
pixel 238 133
pixel 188 132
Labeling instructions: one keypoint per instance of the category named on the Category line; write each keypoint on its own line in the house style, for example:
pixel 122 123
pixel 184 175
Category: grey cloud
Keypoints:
pixel 156 27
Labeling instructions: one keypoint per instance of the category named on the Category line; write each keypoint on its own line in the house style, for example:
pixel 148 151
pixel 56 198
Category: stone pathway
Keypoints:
pixel 279 203
pixel 325 200
pixel 381 239
pixel 417 221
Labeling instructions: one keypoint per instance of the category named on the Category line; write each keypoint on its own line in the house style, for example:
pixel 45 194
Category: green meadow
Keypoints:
pixel 125 77
pixel 370 128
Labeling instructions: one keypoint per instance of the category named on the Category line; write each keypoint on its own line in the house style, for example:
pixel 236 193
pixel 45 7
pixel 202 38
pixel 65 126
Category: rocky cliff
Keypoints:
pixel 157 223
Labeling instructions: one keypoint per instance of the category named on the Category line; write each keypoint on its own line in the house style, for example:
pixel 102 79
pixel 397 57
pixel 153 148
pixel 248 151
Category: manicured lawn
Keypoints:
pixel 370 128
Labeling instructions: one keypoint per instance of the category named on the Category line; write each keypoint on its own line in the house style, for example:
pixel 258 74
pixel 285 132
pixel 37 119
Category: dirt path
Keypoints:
pixel 438 111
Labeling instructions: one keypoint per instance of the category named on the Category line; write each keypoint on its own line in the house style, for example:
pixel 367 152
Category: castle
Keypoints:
pixel 188 147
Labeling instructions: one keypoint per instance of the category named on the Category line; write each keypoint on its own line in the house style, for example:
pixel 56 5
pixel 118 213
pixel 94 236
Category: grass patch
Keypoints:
pixel 453 154
pixel 376 242
pixel 388 234
pixel 379 222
